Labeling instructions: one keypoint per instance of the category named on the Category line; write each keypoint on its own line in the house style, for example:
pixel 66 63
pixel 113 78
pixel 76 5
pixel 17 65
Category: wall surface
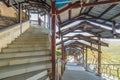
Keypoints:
pixel 9 34
pixel 6 11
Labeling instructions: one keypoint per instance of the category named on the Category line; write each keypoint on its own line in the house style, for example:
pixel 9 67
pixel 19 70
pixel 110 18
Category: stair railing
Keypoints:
pixel 110 70
pixel 9 34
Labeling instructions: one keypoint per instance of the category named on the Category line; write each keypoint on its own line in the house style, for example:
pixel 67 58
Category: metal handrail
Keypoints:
pixel 111 69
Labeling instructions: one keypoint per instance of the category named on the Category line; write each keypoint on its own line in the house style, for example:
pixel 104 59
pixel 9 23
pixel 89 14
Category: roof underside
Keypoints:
pixel 104 14
pixel 93 16
pixel 93 20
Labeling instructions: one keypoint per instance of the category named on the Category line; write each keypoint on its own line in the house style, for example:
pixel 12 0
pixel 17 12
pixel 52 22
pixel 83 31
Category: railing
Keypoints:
pixel 8 34
pixel 109 70
pixel 58 69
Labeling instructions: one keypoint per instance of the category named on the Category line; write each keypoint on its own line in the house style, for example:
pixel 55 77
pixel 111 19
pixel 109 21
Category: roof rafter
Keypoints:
pixel 85 38
pixel 77 4
pixel 81 26
pixel 70 20
pixel 80 43
pixel 115 16
pixel 70 12
pixel 59 19
pixel 91 7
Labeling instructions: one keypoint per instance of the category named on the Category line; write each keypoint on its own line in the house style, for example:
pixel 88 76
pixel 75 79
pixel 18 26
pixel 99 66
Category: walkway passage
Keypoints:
pixel 75 72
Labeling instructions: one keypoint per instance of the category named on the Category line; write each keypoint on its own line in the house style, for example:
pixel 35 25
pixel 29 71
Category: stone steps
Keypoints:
pixel 27 45
pixel 45 78
pixel 31 38
pixel 25 76
pixel 24 54
pixel 9 71
pixel 29 55
pixel 22 49
pixel 23 60
pixel 26 42
pixel 42 76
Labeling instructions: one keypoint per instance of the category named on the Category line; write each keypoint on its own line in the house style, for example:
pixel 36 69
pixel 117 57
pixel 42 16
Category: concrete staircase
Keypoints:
pixel 27 57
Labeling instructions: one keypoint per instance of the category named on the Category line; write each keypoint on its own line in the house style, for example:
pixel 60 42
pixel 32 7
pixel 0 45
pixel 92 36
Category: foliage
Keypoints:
pixel 58 52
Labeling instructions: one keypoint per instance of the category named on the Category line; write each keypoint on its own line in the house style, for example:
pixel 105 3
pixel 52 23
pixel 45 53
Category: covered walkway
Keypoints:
pixel 76 72
pixel 77 27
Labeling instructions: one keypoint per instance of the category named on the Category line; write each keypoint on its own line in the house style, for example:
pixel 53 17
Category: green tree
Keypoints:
pixel 58 52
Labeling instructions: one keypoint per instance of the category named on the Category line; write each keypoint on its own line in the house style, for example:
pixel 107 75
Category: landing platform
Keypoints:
pixel 75 72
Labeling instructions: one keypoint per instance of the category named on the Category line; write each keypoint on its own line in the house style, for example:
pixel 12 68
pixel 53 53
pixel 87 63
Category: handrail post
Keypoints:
pixel 99 57
pixel 86 67
pixel 63 54
pixel 118 74
pixel 20 16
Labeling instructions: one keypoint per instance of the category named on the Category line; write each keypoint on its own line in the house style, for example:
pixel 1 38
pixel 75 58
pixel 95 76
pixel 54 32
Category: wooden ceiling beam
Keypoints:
pixel 97 17
pixel 91 7
pixel 80 43
pixel 69 13
pixel 59 19
pixel 80 26
pixel 85 38
pixel 77 5
pixel 114 16
pixel 70 20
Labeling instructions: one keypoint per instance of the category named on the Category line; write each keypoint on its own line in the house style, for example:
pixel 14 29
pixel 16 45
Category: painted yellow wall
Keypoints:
pixel 6 11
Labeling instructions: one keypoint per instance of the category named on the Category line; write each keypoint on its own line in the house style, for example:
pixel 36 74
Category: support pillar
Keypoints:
pixel 99 57
pixel 114 29
pixel 86 59
pixel 83 56
pixel 38 18
pixel 28 14
pixel 63 54
pixel 45 20
pixel 53 41
pixel 20 16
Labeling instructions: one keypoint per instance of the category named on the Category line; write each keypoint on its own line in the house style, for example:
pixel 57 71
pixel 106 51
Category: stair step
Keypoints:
pixel 24 54
pixel 27 45
pixel 33 36
pixel 38 76
pixel 35 40
pixel 29 34
pixel 23 60
pixel 25 42
pixel 24 76
pixel 45 78
pixel 22 49
pixel 9 71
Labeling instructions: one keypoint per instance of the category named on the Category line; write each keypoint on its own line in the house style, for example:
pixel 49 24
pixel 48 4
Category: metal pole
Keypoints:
pixel 86 60
pixel 20 17
pixel 99 57
pixel 53 41
pixel 63 54
pixel 83 56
